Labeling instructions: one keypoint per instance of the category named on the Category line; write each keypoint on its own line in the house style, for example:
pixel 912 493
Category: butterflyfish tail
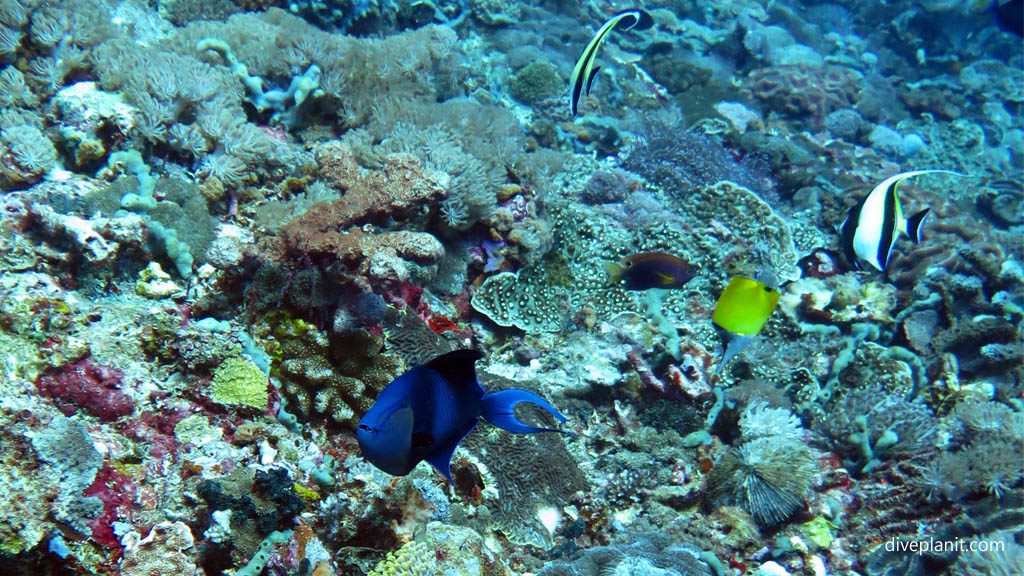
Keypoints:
pixel 499 409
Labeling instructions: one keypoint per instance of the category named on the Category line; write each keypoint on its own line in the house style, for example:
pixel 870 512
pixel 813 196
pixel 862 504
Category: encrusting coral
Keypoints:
pixel 400 191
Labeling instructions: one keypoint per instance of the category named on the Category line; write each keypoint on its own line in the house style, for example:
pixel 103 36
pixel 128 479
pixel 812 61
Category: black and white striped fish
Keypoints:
pixel 584 72
pixel 872 226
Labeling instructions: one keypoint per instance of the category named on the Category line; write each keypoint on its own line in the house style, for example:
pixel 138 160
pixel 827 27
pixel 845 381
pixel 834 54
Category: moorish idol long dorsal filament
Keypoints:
pixel 584 72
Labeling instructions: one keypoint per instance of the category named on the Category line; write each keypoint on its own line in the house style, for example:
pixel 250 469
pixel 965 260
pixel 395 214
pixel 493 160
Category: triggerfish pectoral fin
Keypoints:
pixel 499 409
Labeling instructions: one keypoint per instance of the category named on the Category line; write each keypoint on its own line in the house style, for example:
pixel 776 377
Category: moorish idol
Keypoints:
pixel 584 72
pixel 871 228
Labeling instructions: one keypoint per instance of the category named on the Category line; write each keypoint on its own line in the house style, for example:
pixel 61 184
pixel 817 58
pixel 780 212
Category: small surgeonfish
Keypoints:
pixel 650 270
pixel 742 310
pixel 424 414
pixel 871 228
pixel 584 72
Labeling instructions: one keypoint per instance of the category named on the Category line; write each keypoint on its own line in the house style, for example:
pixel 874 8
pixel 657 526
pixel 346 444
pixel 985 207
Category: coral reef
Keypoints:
pixel 227 226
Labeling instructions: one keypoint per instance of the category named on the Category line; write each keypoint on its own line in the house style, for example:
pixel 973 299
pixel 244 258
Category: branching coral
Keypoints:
pixel 335 377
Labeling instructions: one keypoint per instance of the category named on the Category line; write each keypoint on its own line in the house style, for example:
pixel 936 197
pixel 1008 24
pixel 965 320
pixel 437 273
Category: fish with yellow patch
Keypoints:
pixel 742 310
pixel 650 270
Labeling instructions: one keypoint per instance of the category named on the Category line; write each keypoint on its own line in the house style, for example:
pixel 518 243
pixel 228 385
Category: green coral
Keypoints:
pixel 413 559
pixel 239 382
pixel 536 82
pixel 441 549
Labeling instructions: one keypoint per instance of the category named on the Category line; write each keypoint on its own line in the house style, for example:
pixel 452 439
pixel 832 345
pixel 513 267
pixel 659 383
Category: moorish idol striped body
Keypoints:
pixel 872 226
pixel 584 72
pixel 424 414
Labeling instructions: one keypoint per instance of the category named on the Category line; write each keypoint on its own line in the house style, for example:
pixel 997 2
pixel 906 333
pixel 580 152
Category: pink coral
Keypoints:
pixel 117 492
pixel 94 388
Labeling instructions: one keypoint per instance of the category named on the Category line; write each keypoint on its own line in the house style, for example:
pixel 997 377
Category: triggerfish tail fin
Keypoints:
pixel 915 224
pixel 614 271
pixel 499 408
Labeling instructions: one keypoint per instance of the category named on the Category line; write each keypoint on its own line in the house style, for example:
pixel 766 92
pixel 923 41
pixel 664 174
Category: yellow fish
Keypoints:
pixel 744 306
pixel 743 310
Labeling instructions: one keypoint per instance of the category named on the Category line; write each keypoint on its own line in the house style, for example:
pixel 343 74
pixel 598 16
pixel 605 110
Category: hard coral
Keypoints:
pixel 91 387
pixel 239 382
pixel 805 93
pixel 334 376
pixel 402 190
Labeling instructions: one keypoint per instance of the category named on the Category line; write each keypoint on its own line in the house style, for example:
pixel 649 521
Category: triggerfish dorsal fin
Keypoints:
pixel 457 367
pixel 915 224
pixel 499 408
pixel 744 306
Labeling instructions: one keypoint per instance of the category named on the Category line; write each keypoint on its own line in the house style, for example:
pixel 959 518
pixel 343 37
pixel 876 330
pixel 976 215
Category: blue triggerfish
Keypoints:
pixel 742 310
pixel 584 72
pixel 872 226
pixel 424 414
pixel 1008 14
pixel 650 270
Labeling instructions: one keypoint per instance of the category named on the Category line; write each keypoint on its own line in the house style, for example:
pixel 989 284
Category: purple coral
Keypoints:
pixel 94 388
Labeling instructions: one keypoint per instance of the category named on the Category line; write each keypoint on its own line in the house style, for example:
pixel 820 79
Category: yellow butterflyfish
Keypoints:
pixel 744 306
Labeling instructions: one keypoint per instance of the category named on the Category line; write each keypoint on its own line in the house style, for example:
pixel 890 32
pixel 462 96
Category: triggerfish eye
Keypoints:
pixel 744 306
